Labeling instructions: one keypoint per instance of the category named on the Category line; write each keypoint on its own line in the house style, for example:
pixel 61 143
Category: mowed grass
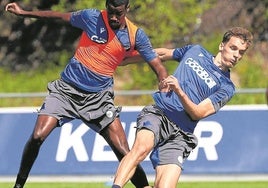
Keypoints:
pixel 225 184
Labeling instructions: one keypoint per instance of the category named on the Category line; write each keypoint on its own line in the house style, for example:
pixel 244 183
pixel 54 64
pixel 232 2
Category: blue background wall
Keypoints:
pixel 232 141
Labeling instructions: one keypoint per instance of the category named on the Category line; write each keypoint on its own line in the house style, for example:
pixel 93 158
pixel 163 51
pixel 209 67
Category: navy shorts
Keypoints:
pixel 171 144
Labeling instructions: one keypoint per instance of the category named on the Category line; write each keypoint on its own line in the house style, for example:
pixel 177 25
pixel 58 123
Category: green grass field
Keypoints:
pixel 236 184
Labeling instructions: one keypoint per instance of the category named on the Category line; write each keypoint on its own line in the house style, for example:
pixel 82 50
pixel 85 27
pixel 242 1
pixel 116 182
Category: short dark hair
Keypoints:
pixel 117 3
pixel 239 32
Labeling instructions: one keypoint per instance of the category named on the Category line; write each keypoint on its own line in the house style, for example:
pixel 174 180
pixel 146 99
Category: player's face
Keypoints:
pixel 232 52
pixel 116 16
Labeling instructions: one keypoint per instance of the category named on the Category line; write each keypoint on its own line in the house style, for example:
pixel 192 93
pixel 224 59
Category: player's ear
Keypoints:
pixel 221 46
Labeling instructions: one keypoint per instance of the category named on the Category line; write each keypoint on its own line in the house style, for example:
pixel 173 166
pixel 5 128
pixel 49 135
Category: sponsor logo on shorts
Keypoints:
pixel 180 159
pixel 109 114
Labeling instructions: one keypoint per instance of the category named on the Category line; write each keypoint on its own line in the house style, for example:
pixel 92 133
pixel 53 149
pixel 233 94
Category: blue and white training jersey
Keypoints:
pixel 199 78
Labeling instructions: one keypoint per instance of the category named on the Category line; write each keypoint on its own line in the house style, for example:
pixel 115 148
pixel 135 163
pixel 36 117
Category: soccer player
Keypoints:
pixel 85 89
pixel 199 87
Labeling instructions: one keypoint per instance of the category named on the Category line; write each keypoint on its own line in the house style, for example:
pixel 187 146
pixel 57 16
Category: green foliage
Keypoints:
pixel 37 51
pixel 165 20
pixel 248 99
pixel 142 77
pixel 26 82
pixel 64 5
pixel 251 72
pixel 30 81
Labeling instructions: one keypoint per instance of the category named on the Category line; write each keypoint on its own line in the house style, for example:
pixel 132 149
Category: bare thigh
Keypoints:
pixel 115 136
pixel 44 126
pixel 167 176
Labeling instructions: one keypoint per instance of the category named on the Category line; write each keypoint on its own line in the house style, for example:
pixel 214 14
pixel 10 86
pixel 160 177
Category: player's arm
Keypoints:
pixel 145 49
pixel 195 111
pixel 131 60
pixel 158 68
pixel 17 10
pixel 147 53
pixel 165 53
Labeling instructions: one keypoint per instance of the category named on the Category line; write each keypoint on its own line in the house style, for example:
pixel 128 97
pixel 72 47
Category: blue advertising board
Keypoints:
pixel 232 141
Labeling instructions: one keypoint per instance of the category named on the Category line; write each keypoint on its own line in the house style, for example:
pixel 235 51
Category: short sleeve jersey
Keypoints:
pixel 199 78
pixel 82 77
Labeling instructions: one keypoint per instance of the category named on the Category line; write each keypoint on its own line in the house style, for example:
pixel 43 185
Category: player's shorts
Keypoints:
pixel 66 103
pixel 171 144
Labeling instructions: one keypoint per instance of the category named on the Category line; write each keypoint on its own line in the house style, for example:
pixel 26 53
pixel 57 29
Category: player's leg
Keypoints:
pixel 115 136
pixel 142 146
pixel 168 158
pixel 43 127
pixel 167 176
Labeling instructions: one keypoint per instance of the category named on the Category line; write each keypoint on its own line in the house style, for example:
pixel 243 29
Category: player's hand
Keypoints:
pixel 171 83
pixel 14 8
pixel 162 86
